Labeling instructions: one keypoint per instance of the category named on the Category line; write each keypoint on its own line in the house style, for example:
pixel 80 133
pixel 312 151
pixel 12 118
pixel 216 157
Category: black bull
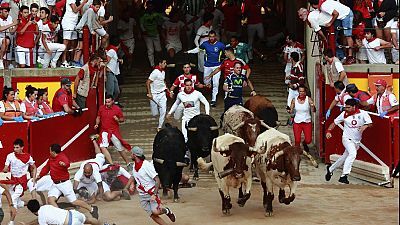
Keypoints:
pixel 202 129
pixel 168 158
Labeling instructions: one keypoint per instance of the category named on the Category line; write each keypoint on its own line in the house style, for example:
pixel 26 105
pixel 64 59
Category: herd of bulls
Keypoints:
pixel 250 144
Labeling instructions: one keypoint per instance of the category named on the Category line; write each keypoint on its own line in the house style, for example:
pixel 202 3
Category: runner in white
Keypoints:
pixel 172 32
pixel 88 176
pixel 355 122
pixel 42 185
pixel 191 101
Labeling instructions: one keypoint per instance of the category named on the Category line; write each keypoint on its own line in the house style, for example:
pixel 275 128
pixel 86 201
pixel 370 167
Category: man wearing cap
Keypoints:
pixel 385 101
pixel 362 96
pixel 7 28
pixel 147 184
pixel 62 101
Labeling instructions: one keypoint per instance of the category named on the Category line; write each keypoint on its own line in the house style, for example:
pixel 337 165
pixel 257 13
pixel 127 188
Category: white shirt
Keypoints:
pixel 3 108
pixel 374 57
pixel 342 98
pixel 3 23
pixel 318 19
pixel 173 30
pixel 123 25
pixel 69 13
pixel 1 193
pixel 158 84
pixel 101 12
pixel 145 177
pixel 202 35
pixel 352 124
pixel 45 29
pixel 330 5
pixel 49 214
pixel 113 64
pixel 121 172
pixel 191 103
pixel 392 100
pixel 17 167
pixel 303 114
pixel 94 178
pixel 297 47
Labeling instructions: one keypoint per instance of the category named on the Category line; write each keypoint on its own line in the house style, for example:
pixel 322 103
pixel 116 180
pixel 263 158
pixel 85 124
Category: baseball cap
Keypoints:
pixel 65 81
pixel 137 151
pixel 380 82
pixel 5 5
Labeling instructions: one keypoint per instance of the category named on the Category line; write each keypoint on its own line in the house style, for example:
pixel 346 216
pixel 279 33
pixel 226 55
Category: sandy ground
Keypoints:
pixel 317 202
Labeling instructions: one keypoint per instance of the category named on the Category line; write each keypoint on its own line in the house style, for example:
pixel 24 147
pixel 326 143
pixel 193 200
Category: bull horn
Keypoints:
pixel 277 154
pixel 214 127
pixel 313 161
pixel 161 161
pixel 192 128
pixel 181 164
pixel 264 124
pixel 238 126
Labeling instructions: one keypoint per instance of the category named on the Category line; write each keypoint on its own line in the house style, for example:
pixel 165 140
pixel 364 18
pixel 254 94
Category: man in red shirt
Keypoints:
pixel 232 17
pixel 62 101
pixel 58 165
pixel 227 65
pixel 109 116
pixel 26 31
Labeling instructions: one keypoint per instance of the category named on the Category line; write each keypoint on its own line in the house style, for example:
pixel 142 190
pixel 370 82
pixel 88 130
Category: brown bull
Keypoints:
pixel 263 109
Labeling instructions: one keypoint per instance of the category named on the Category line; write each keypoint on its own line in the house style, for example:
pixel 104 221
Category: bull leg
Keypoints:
pixel 193 160
pixel 241 191
pixel 293 187
pixel 269 199
pixel 243 199
pixel 196 169
pixel 176 185
pixel 165 192
pixel 264 186
pixel 281 195
pixel 226 203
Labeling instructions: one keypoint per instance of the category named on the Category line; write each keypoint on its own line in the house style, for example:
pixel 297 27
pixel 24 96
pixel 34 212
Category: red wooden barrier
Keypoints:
pixel 10 131
pixel 396 148
pixel 70 132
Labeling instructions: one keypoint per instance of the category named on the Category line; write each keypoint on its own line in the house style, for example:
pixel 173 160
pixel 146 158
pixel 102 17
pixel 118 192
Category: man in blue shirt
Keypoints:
pixel 212 60
pixel 233 86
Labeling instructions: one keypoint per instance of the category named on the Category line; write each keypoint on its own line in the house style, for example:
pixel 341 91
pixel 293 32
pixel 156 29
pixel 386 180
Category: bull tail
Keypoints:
pixel 203 165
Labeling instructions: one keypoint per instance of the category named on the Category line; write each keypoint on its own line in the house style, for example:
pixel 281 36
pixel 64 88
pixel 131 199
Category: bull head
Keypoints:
pixel 288 161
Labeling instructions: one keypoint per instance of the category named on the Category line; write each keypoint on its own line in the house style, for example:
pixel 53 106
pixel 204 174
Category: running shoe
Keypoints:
pixel 170 215
pixel 95 212
pixel 344 180
pixel 65 64
pixel 328 174
pixel 213 104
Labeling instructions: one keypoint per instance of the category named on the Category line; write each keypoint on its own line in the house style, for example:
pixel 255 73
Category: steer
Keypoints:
pixel 241 122
pixel 263 109
pixel 277 166
pixel 202 129
pixel 232 168
pixel 168 158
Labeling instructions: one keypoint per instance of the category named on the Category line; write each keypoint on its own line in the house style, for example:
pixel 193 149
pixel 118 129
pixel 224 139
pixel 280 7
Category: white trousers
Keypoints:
pixel 152 43
pixel 105 142
pixel 291 95
pixel 43 184
pixel 22 56
pixel 215 81
pixel 185 121
pixel 200 61
pixel 252 30
pixel 158 106
pixel 179 111
pixel 16 191
pixel 348 157
pixel 56 49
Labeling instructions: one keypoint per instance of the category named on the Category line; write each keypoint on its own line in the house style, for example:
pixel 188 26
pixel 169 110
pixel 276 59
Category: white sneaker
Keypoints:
pixel 11 223
pixel 65 64
pixel 53 64
pixel 11 66
pixel 40 60
pixel 1 64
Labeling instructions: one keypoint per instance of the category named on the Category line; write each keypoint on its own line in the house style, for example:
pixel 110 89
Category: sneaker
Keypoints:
pixel 170 215
pixel 344 180
pixel 213 104
pixel 95 212
pixel 94 137
pixel 65 64
pixel 75 64
pixel 53 64
pixel 328 174
pixel 1 64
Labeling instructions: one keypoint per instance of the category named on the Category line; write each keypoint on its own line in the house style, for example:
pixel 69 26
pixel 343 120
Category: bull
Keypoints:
pixel 240 121
pixel 277 166
pixel 231 160
pixel 168 158
pixel 202 129
pixel 263 109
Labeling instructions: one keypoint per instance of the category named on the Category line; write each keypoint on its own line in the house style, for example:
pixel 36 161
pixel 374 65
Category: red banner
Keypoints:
pixel 10 131
pixel 396 148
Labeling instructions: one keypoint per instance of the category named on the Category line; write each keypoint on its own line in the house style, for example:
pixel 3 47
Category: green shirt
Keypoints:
pixel 241 51
pixel 149 22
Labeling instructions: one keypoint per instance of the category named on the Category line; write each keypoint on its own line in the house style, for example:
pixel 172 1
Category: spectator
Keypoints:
pixel 385 101
pixel 62 100
pixel 47 28
pixel 172 33
pixel 26 30
pixel 295 79
pixel 4 190
pixel 8 26
pixel 375 47
pixel 241 49
pixel 149 23
pixel 358 34
pixel 395 41
pixel 90 19
pixel 385 11
pixel 68 23
pixel 365 8
pixel 126 27
pixel 113 62
pixel 359 95
pixel 335 68
pixel 43 102
pixel 344 17
pixel 218 16
pixel 29 106
pixel 232 20
pixel 51 4
pixel 202 36
pixel 340 97
pixel 34 10
pixel 86 80
pixel 315 19
pixel 292 46
pixel 10 109
pixel 252 10
pixel 302 106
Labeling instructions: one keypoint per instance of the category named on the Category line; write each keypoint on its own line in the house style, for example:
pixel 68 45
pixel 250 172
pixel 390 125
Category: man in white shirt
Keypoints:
pixel 191 102
pixel 172 34
pixel 375 47
pixel 8 26
pixel 355 122
pixel 88 177
pixel 156 88
pixel 126 27
pixel 48 214
pixel 113 62
pixel 335 68
pixel 147 184
pixel 315 19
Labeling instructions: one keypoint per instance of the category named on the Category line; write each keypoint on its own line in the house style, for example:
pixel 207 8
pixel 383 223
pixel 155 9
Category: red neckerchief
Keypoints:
pixel 371 40
pixel 138 165
pixel 94 9
pixel 112 47
pixel 110 168
pixel 158 68
pixel 302 98
pixel 346 114
pixel 24 157
pixel 92 69
pixel 190 92
pixel 52 29
pixel 3 18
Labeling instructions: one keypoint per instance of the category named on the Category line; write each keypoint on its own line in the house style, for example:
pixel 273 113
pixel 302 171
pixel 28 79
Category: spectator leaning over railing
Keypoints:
pixel 26 30
pixel 47 29
pixel 42 100
pixel 395 41
pixel 335 68
pixel 342 16
pixel 315 19
pixel 62 100
pixel 29 106
pixel 8 26
pixel 10 109
pixel 385 11
pixel 358 34
pixel 375 47
pixel 365 8
pixel 359 94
